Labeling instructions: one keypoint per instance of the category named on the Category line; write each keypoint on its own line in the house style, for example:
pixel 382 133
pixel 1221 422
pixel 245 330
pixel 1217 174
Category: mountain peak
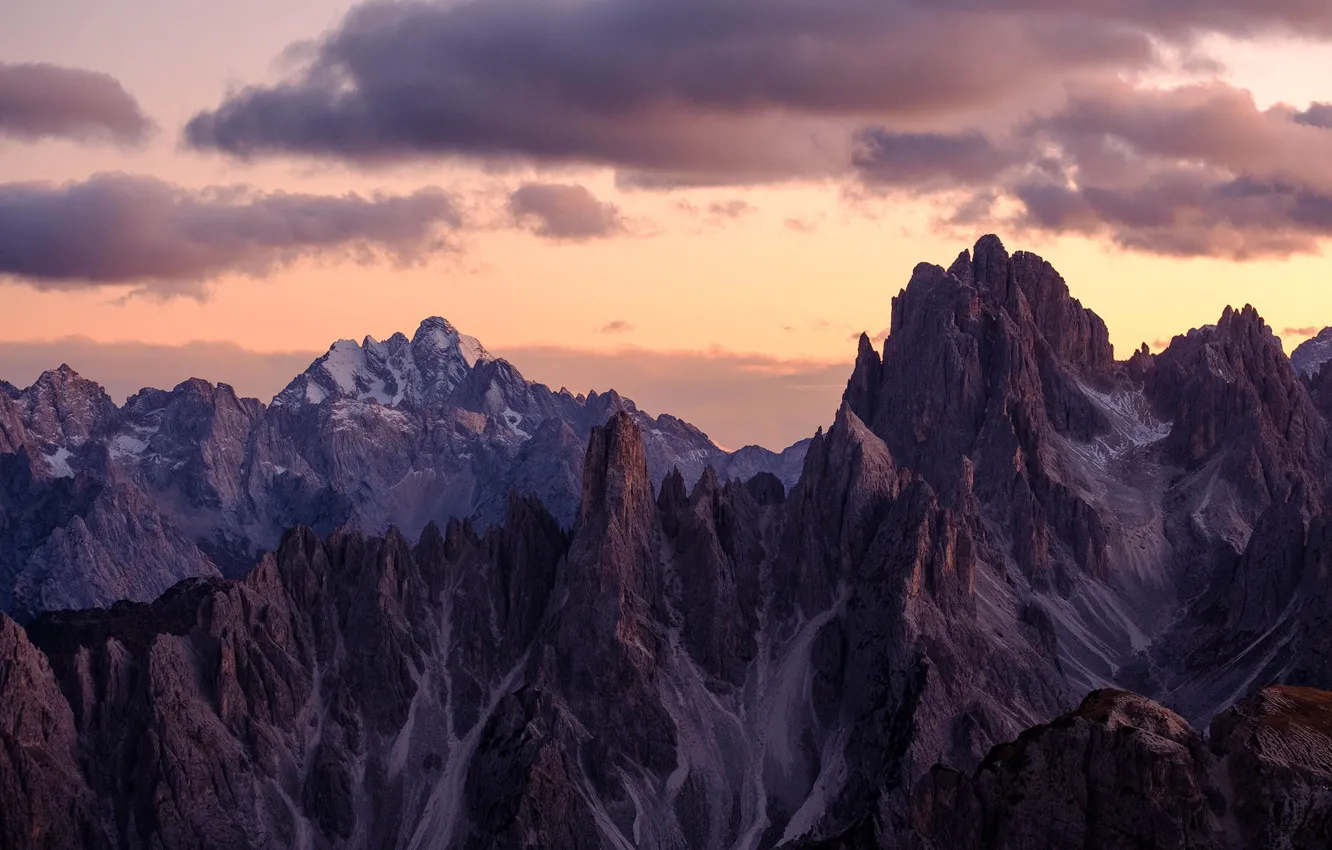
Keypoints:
pixel 439 333
pixel 425 368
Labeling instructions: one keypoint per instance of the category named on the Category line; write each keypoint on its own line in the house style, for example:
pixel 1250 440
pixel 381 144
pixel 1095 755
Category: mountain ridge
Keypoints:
pixel 895 652
pixel 376 434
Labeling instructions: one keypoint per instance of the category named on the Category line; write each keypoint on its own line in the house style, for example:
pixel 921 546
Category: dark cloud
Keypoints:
pixel 1317 115
pixel 564 211
pixel 926 161
pixel 990 104
pixel 123 229
pixel 1180 18
pixel 618 326
pixel 738 399
pixel 47 101
pixel 680 90
pixel 1195 170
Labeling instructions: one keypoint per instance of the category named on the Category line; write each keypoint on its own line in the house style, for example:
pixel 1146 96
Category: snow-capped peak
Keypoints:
pixel 420 370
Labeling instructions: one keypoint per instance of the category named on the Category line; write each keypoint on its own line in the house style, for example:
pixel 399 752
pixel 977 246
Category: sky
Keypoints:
pixel 701 203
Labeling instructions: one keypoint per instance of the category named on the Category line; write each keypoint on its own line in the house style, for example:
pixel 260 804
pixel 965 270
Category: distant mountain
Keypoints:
pixel 1309 356
pixel 100 503
pixel 894 653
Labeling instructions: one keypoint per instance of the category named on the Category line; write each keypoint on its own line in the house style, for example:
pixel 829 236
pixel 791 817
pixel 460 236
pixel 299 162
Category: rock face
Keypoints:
pixel 1001 518
pixel 1124 772
pixel 99 503
pixel 1309 356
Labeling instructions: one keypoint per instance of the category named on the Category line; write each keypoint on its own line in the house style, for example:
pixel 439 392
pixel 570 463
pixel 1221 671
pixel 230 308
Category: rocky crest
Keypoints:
pixel 1122 771
pixel 103 503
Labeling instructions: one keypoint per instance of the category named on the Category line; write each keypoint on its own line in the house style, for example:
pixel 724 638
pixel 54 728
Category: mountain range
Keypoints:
pixel 101 503
pixel 993 609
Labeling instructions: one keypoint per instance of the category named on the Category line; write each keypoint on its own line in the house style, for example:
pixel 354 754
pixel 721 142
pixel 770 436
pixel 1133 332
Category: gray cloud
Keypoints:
pixel 618 326
pixel 1190 171
pixel 564 211
pixel 926 161
pixel 123 229
pixel 1196 170
pixel 47 101
pixel 674 90
pixel 986 103
pixel 738 399
pixel 1317 115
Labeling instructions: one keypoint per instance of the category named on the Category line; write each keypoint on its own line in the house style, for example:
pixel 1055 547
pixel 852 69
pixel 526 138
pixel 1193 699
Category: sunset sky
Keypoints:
pixel 698 202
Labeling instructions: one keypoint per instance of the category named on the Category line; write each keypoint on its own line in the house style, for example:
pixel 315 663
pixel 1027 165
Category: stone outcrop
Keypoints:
pixel 1124 772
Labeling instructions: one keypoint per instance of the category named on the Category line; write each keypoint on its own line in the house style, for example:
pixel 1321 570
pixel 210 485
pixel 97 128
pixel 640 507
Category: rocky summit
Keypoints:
pixel 893 650
pixel 100 503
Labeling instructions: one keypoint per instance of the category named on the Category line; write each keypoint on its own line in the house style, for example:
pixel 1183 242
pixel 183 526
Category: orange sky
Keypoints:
pixel 678 281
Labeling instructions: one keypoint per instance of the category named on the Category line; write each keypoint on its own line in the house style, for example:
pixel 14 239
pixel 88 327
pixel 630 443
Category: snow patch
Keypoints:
pixel 344 361
pixel 513 418
pixel 472 350
pixel 126 446
pixel 59 463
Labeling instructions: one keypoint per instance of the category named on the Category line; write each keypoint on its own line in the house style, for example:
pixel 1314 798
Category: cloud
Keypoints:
pixel 1311 330
pixel 618 326
pixel 668 91
pixel 39 101
pixel 1317 115
pixel 122 229
pixel 1193 170
pixel 738 399
pixel 717 214
pixel 800 225
pixel 564 211
pixel 735 208
pixel 1013 114
pixel 924 161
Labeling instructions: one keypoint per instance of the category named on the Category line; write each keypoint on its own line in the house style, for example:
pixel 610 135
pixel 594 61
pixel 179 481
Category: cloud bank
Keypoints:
pixel 115 229
pixel 1011 112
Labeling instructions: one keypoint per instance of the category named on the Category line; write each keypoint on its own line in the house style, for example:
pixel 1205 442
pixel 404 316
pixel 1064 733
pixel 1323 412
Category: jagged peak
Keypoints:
pixel 862 389
pixel 615 473
pixel 990 264
pixel 441 334
pixel 428 366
